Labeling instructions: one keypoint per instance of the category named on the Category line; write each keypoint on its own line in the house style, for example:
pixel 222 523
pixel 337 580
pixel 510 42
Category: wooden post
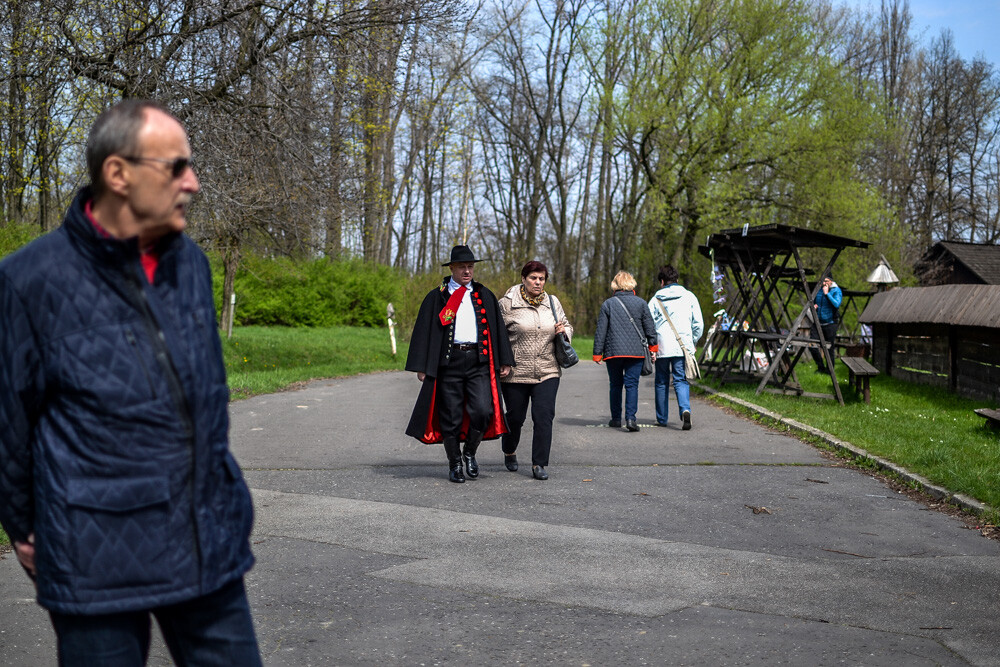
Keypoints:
pixel 232 314
pixel 390 312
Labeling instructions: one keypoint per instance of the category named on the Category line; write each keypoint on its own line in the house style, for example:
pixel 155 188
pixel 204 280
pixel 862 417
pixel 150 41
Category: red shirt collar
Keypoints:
pixel 148 256
pixel 88 208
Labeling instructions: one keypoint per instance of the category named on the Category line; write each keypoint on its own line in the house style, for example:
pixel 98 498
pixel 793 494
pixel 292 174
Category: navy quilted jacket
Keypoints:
pixel 114 425
pixel 615 336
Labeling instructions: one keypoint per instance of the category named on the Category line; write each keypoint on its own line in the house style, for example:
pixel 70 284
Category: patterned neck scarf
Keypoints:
pixel 535 301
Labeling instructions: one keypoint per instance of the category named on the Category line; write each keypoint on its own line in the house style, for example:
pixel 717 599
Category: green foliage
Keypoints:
pixel 750 118
pixel 13 236
pixel 315 293
pixel 412 292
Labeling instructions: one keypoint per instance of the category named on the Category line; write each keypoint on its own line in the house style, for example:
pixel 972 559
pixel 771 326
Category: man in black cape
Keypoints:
pixel 459 350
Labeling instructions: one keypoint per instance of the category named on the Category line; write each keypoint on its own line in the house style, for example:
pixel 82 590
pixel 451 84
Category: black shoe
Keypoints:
pixel 615 423
pixel 631 425
pixel 663 424
pixel 454 452
pixel 538 472
pixel 469 453
pixel 686 418
pixel 471 466
pixel 510 460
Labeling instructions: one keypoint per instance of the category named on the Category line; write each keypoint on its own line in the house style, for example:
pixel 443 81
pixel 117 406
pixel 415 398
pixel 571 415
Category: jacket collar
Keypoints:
pixel 106 250
pixel 473 286
pixel 517 301
pixel 670 292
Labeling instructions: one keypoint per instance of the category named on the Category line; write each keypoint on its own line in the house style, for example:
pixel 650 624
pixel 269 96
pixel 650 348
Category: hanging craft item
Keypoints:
pixel 718 288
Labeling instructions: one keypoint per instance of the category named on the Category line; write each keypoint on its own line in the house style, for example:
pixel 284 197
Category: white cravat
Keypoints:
pixel 465 318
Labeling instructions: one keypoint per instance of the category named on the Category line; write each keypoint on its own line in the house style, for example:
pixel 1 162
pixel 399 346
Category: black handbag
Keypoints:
pixel 565 354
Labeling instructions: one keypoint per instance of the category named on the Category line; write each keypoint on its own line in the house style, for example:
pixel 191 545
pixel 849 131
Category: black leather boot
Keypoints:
pixel 469 453
pixel 454 452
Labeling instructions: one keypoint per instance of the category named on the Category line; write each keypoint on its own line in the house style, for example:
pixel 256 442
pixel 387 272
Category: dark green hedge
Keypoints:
pixel 316 293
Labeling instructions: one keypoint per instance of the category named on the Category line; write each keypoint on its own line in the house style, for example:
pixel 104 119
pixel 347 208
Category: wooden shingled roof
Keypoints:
pixel 961 305
pixel 981 260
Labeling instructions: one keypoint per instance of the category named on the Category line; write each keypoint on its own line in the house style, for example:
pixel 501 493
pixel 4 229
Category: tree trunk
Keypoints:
pixel 230 263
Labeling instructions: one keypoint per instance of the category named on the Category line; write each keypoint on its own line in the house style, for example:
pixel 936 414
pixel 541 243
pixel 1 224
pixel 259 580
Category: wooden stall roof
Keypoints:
pixel 778 237
pixel 962 305
pixel 727 256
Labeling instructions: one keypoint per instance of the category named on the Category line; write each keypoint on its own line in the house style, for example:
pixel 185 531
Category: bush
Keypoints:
pixel 314 293
pixel 14 236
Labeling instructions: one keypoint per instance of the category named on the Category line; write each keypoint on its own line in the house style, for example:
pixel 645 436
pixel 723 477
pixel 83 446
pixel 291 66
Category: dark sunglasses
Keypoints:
pixel 177 166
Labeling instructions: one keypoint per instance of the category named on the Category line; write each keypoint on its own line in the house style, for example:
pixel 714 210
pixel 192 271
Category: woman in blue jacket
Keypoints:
pixel 618 343
pixel 827 302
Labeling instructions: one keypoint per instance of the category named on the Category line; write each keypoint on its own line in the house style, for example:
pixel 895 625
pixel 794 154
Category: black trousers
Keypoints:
pixel 830 334
pixel 542 396
pixel 463 385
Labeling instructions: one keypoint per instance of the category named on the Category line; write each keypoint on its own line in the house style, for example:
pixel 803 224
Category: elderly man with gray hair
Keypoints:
pixel 117 486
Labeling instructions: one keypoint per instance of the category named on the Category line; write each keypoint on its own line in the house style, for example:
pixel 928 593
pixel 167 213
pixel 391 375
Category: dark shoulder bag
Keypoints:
pixel 647 359
pixel 565 354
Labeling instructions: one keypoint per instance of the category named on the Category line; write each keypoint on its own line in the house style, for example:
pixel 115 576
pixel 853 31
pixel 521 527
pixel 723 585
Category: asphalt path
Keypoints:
pixel 730 544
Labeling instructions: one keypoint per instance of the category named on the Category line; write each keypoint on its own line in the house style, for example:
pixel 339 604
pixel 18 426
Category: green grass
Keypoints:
pixel 927 430
pixel 260 360
pixel 584 347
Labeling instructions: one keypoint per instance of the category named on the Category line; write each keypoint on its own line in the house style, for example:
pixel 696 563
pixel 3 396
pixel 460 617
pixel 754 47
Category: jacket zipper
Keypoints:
pixel 130 337
pixel 162 355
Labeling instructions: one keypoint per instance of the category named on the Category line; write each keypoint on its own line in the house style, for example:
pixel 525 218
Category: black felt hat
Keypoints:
pixel 461 253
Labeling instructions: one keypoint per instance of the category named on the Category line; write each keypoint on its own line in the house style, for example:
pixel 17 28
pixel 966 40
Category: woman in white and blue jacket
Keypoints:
pixel 685 314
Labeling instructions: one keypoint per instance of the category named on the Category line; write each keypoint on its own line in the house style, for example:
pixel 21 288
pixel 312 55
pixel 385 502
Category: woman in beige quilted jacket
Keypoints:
pixel 532 327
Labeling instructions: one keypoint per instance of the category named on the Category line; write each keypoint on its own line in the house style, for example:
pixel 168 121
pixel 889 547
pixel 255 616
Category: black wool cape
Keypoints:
pixel 430 348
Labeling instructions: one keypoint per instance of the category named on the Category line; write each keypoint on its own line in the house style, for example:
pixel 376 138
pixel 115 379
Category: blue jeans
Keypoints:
pixel 665 367
pixel 215 629
pixel 624 372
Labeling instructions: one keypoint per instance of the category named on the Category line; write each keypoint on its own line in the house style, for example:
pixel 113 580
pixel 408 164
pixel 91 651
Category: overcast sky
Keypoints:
pixel 975 24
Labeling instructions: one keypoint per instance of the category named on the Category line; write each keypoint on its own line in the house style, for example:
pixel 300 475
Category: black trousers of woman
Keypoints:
pixel 542 396
pixel 830 334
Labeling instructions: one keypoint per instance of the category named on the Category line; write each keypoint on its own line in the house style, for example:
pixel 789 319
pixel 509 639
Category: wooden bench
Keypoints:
pixel 858 373
pixel 992 417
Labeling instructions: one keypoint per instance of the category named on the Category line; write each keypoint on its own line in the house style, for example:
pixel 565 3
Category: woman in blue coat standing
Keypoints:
pixel 624 329
pixel 825 309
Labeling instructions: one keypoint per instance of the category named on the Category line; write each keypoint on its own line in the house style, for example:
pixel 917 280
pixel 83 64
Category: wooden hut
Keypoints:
pixel 955 263
pixel 948 335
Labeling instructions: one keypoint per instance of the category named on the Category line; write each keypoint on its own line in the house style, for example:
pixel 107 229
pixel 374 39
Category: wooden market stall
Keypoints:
pixel 769 283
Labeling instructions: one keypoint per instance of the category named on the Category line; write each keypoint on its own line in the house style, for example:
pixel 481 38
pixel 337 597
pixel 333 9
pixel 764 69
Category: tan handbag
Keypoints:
pixel 691 369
